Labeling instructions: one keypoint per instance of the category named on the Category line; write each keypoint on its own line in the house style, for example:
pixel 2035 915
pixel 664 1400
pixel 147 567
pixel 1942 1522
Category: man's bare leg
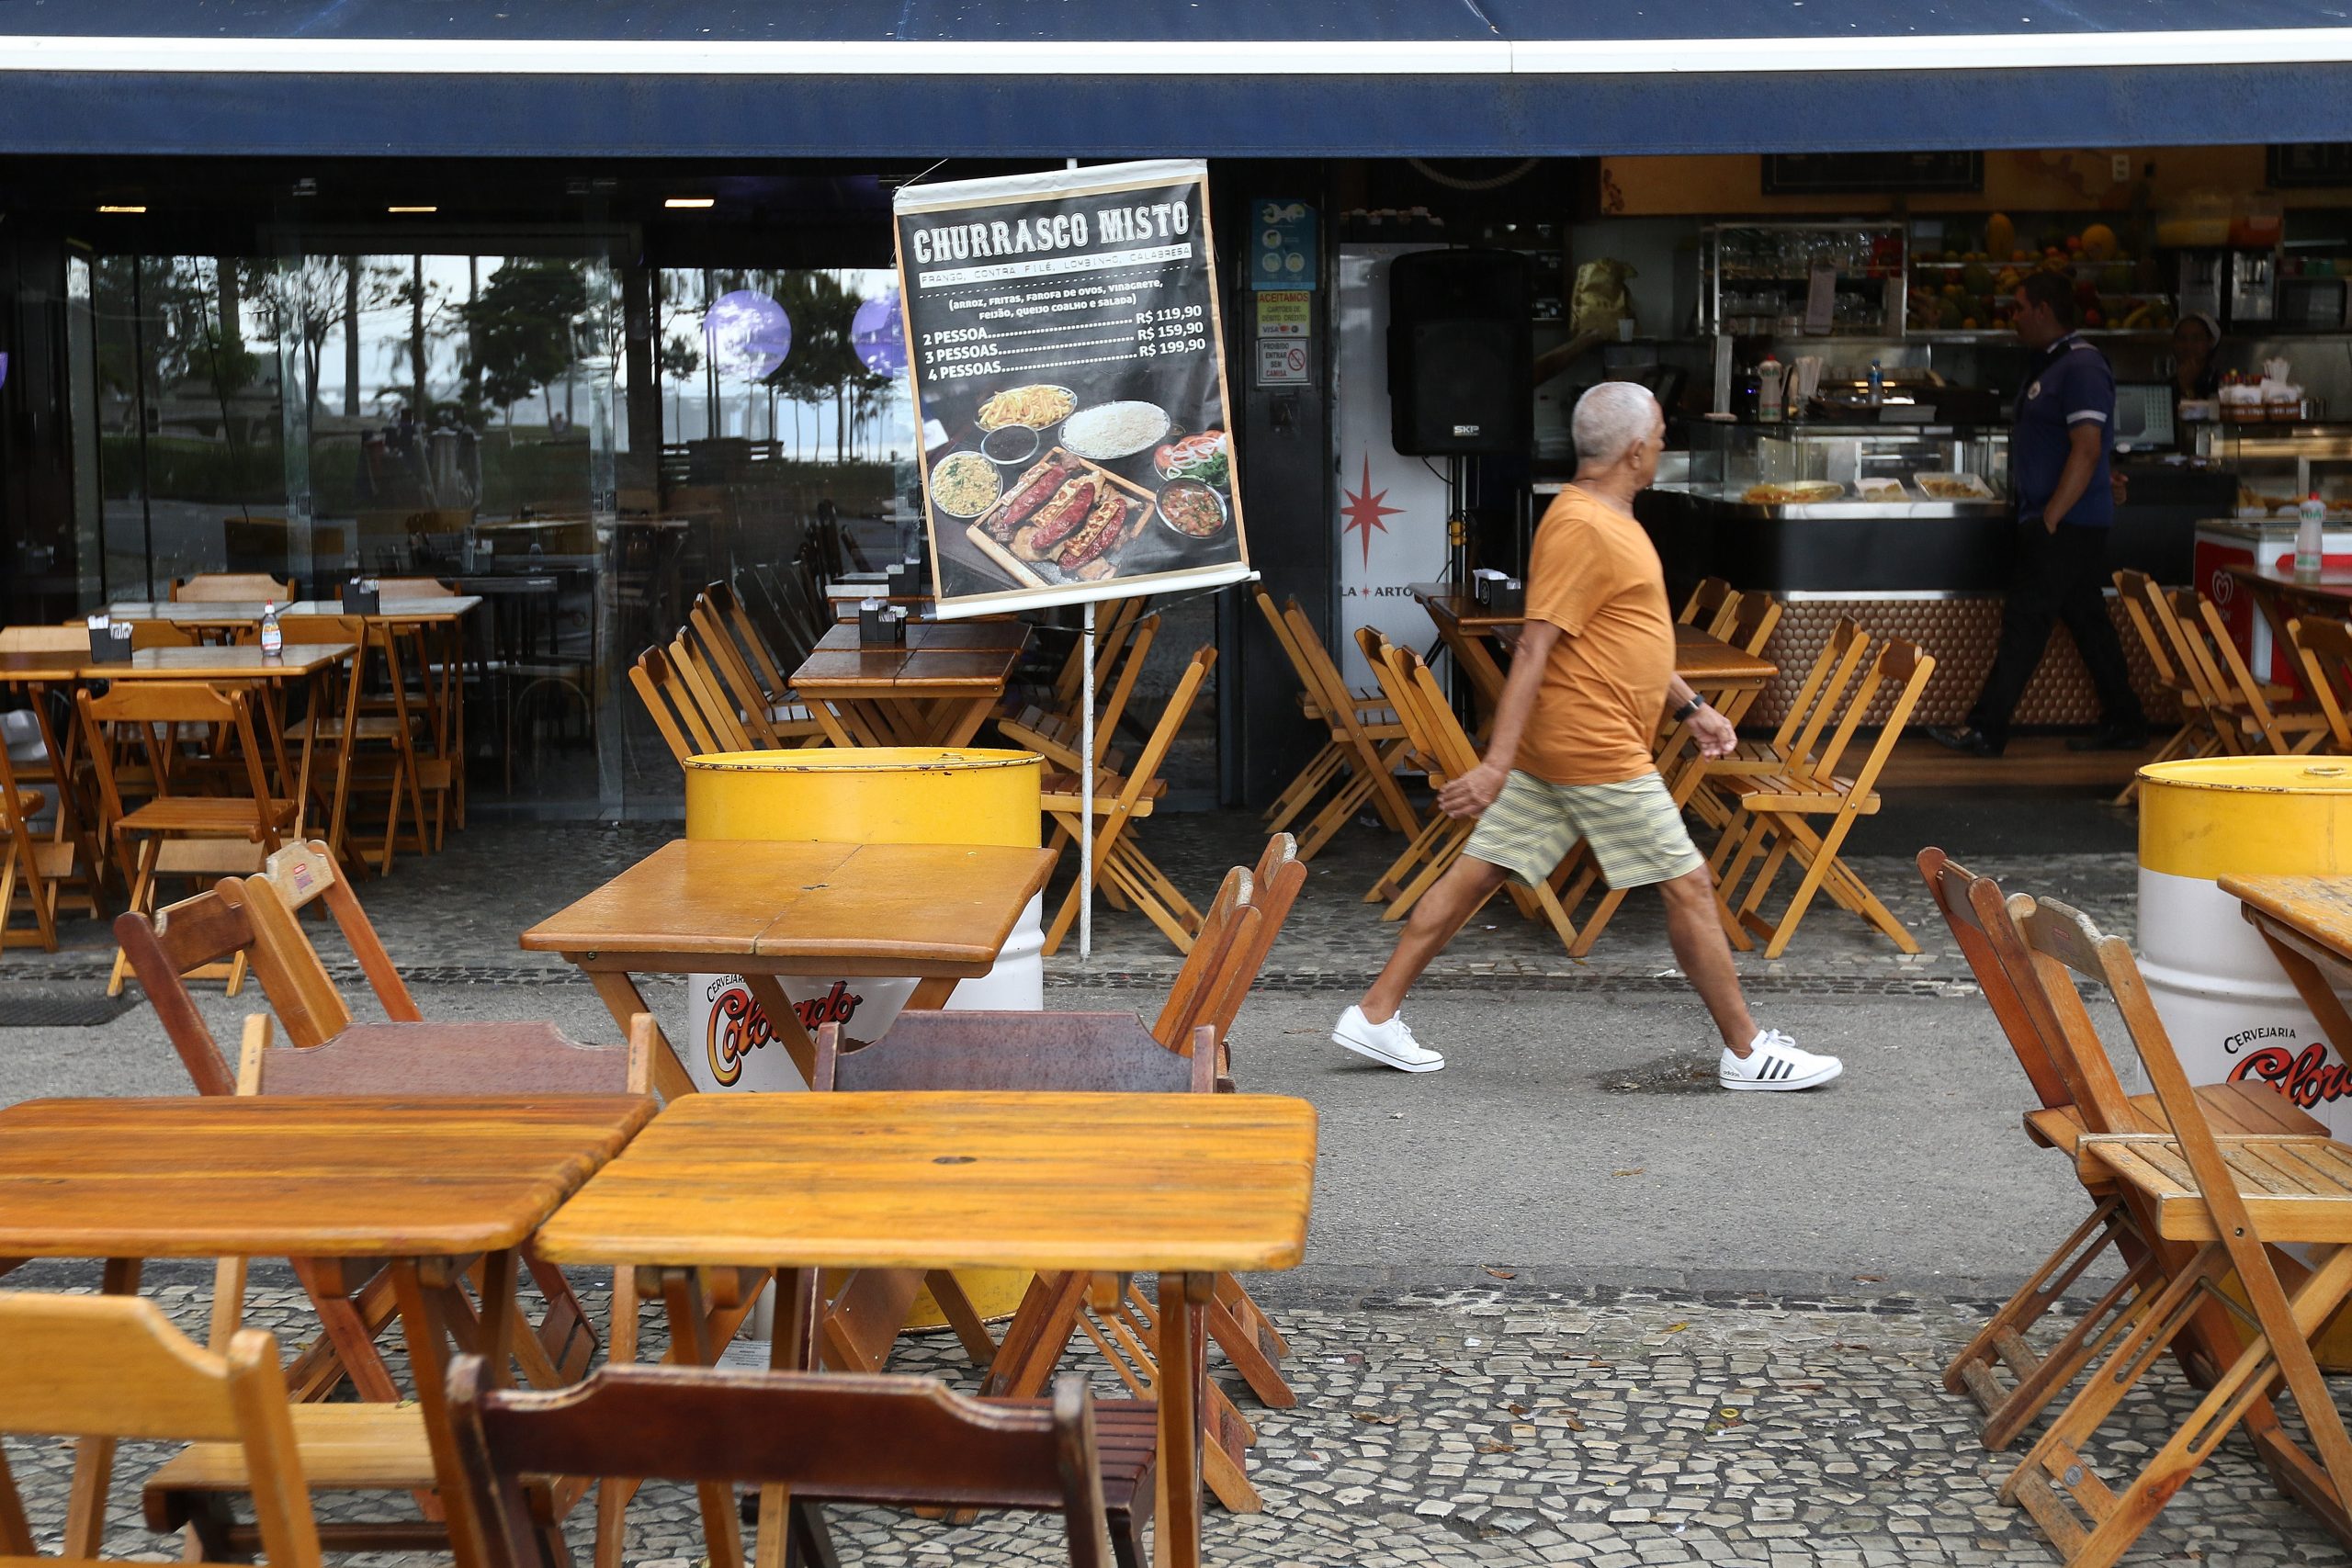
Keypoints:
pixel 1697 934
pixel 1442 911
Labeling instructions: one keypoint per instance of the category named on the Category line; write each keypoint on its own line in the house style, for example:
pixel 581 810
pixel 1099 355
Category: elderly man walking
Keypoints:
pixel 1570 756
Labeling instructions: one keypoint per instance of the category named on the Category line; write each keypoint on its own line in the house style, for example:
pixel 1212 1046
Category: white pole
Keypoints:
pixel 1086 768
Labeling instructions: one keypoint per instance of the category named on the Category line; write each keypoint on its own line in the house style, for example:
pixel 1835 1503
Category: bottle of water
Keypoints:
pixel 1878 386
pixel 2311 520
pixel 273 639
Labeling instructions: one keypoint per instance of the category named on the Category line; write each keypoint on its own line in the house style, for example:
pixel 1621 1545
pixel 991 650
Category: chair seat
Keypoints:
pixel 329 726
pixel 2236 1109
pixel 1791 792
pixel 348 1448
pixel 1060 792
pixel 2295 1189
pixel 219 814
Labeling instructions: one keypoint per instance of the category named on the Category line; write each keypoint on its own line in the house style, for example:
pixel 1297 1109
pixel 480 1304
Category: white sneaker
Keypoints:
pixel 1391 1043
pixel 1773 1062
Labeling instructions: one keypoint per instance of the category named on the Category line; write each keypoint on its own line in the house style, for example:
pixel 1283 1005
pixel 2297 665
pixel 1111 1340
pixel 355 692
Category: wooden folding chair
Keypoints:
pixel 2285 727
pixel 1057 736
pixel 232 588
pixel 676 715
pixel 366 747
pixel 1776 808
pixel 1369 752
pixel 772 714
pixel 1122 871
pixel 1068 1052
pixel 1438 737
pixel 902 1441
pixel 2011 1382
pixel 1333 764
pixel 2137 591
pixel 36 865
pixel 102 1368
pixel 380 1444
pixel 1706 604
pixel 2233 1200
pixel 2324 650
pixel 179 834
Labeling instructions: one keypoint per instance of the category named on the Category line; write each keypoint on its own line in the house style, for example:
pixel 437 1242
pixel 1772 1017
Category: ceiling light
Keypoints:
pixel 108 207
pixel 412 209
pixel 692 201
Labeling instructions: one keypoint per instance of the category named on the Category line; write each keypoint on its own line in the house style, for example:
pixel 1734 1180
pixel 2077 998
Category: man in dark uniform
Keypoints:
pixel 2059 454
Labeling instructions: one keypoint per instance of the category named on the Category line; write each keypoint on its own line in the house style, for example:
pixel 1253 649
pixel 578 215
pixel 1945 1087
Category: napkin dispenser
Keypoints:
pixel 110 643
pixel 1484 581
pixel 1508 597
pixel 363 596
pixel 880 625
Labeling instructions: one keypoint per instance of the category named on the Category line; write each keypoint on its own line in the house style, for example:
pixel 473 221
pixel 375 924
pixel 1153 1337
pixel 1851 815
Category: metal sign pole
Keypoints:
pixel 1086 769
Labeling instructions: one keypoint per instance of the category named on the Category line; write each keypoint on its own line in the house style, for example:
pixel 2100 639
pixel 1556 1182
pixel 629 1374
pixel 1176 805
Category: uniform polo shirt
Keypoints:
pixel 2069 383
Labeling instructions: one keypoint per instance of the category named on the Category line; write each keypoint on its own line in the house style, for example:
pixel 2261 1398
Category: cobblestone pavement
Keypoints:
pixel 456 916
pixel 1503 1427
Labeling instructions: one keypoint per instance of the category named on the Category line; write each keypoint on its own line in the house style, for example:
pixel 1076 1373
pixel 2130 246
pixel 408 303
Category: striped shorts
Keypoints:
pixel 1635 832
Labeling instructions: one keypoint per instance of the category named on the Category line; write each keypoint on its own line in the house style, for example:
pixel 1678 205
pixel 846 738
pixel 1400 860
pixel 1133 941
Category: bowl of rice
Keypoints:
pixel 965 484
pixel 1114 430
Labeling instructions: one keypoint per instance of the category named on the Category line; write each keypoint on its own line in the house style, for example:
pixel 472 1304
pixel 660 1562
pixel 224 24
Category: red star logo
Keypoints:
pixel 1363 512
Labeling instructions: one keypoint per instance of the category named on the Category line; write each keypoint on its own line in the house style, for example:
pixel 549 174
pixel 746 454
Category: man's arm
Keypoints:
pixel 2084 439
pixel 1475 791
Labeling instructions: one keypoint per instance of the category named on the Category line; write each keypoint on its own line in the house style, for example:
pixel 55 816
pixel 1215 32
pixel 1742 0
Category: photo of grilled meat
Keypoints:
pixel 1029 493
pixel 1102 528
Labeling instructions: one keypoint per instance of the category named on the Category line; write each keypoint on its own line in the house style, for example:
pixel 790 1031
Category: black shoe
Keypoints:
pixel 2112 738
pixel 1971 742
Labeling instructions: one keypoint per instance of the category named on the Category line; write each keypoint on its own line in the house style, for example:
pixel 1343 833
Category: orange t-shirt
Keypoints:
pixel 1596 576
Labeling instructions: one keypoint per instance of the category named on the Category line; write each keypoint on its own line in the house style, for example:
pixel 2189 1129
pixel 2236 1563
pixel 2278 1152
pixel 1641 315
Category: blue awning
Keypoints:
pixel 1118 78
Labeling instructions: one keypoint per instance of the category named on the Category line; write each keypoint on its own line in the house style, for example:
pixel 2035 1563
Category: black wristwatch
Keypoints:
pixel 1687 709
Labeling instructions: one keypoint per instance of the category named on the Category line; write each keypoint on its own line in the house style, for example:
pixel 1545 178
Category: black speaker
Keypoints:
pixel 1460 353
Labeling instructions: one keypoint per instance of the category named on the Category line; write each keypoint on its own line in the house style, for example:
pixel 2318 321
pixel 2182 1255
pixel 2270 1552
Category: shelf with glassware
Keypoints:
pixel 1816 279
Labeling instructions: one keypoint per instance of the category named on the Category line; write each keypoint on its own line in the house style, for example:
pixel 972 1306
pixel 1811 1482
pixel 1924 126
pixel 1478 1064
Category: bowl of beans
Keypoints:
pixel 1193 509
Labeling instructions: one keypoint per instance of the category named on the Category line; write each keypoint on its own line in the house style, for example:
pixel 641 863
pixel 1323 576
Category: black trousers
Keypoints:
pixel 2057 576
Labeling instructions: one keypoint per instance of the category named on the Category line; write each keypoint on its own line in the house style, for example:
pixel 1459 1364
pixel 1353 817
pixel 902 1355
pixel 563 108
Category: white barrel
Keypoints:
pixel 2227 1004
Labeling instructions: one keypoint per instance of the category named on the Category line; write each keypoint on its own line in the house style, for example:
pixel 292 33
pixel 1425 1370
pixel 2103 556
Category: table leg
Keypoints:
pixel 85 1509
pixel 431 1309
pixel 932 992
pixel 1182 1364
pixel 836 732
pixel 793 1349
pixel 624 1001
pixel 691 1340
pixel 966 723
pixel 783 1022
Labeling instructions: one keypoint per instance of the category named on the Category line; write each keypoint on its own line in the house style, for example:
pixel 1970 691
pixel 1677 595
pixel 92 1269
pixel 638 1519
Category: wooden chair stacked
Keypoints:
pixel 1777 811
pixel 100 1368
pixel 1123 874
pixel 2140 596
pixel 1364 743
pixel 172 832
pixel 2211 1207
pixel 2323 650
pixel 1114 624
pixel 1437 737
pixel 232 588
pixel 738 663
pixel 1058 737
pixel 2011 1381
pixel 2236 713
pixel 901 1442
pixel 61 869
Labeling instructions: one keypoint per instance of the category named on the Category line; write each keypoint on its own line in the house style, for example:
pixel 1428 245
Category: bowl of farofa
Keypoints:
pixel 965 484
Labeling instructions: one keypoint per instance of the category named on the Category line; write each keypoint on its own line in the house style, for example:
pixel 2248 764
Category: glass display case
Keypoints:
pixel 1793 279
pixel 1921 469
pixel 2277 465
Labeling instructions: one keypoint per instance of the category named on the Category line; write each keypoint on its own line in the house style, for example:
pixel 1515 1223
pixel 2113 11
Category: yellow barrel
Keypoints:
pixel 2224 1002
pixel 873 795
pixel 894 795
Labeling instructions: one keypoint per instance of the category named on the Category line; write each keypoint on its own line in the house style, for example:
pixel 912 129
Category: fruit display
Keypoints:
pixel 1971 286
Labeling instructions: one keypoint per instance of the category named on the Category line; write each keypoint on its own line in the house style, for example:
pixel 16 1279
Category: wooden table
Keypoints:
pixel 1188 1186
pixel 1465 626
pixel 940 912
pixel 2306 922
pixel 429 1185
pixel 924 694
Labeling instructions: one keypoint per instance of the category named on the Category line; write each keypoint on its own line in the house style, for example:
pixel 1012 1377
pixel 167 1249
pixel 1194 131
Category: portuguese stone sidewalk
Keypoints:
pixel 1609 1428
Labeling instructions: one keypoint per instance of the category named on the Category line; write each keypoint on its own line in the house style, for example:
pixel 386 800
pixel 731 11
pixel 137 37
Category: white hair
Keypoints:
pixel 1610 418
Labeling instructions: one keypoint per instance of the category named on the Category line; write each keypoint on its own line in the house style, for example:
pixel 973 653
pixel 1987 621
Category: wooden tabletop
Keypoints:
pixel 347 1176
pixel 1701 660
pixel 894 672
pixel 805 909
pixel 246 662
pixel 967 635
pixel 2318 907
pixel 1444 602
pixel 1095 1182
pixel 228 613
pixel 2333 584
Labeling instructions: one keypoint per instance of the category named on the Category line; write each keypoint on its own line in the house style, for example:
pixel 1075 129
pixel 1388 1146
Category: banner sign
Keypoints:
pixel 1063 329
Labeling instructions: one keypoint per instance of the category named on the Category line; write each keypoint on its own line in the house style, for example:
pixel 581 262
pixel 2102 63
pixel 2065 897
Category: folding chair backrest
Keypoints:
pixel 2045 988
pixel 1328 687
pixel 1950 885
pixel 725 670
pixel 842 1437
pixel 1910 667
pixel 188 935
pixel 1141 633
pixel 1111 629
pixel 728 608
pixel 2136 589
pixel 113 1366
pixel 1057 1053
pixel 424 1059
pixel 301 873
pixel 155 710
pixel 232 588
pixel 2176 615
pixel 1274 884
pixel 1706 602
pixel 45 639
pixel 1198 982
pixel 1752 626
pixel 1818 697
pixel 1283 635
pixel 2325 650
pixel 2239 683
pixel 319 628
pixel 416 588
pixel 1447 745
pixel 727 722
pixel 674 710
pixel 304 997
pixel 1179 707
